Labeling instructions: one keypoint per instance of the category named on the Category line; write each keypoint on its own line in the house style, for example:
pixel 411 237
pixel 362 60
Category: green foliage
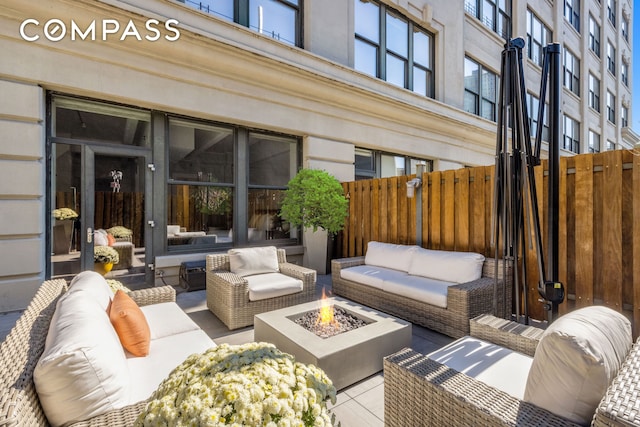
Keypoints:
pixel 315 199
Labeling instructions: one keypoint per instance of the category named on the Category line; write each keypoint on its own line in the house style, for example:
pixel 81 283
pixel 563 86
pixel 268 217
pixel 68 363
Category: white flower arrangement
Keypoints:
pixel 116 286
pixel 252 384
pixel 120 232
pixel 105 254
pixel 64 213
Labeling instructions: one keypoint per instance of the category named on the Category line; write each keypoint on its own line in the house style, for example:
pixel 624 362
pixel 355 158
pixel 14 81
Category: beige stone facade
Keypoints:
pixel 224 72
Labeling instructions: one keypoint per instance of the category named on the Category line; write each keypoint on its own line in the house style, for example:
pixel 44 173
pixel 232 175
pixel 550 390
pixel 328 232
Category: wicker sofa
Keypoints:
pixel 229 291
pixel 20 352
pixel 462 300
pixel 422 391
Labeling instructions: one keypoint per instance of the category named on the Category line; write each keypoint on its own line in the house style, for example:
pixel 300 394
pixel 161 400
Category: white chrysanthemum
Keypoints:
pixel 251 384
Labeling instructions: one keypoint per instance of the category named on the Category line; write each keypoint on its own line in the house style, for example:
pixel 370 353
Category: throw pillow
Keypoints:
pixel 250 261
pixel 130 324
pixel 389 255
pixel 110 240
pixel 448 266
pixel 577 358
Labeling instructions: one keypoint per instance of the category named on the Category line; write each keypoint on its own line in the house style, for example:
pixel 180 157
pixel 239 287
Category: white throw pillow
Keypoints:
pixel 577 358
pixel 83 371
pixel 250 261
pixel 448 266
pixel 94 285
pixel 389 255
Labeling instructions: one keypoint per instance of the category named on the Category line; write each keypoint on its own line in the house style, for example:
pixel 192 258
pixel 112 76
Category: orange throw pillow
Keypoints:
pixel 130 324
pixel 111 240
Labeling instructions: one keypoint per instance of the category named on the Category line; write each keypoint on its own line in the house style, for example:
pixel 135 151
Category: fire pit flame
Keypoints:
pixel 325 315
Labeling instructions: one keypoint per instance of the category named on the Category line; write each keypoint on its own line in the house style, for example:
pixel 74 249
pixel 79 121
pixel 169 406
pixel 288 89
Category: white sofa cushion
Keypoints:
pixel 577 358
pixel 250 261
pixel 271 285
pixel 165 354
pixel 424 289
pixel 371 275
pixel 83 370
pixel 450 266
pixel 389 255
pixel 94 286
pixel 489 363
pixel 167 319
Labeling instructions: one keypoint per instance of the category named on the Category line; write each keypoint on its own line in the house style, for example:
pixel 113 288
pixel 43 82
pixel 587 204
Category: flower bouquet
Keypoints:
pixel 64 213
pixel 252 384
pixel 116 286
pixel 120 232
pixel 105 255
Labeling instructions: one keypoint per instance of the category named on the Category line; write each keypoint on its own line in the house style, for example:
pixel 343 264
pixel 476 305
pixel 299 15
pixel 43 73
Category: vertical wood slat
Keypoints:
pixel 435 211
pixel 365 220
pixel 461 210
pixel 562 233
pixel 403 210
pixel 477 229
pixel 448 214
pixel 392 224
pixel 612 230
pixel 375 209
pixel 584 230
pixel 426 194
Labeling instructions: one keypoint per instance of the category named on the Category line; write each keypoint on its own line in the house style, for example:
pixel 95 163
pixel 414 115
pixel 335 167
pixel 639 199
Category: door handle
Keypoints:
pixel 89 235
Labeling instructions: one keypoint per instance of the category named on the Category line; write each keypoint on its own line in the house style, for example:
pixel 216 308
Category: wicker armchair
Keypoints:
pixel 228 294
pixel 22 348
pixel 421 391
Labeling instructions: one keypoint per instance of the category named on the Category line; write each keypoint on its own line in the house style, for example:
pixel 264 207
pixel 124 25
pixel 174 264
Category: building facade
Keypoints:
pixel 183 121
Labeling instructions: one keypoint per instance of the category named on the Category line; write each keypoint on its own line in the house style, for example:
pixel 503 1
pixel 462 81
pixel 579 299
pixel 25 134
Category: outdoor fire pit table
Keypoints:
pixel 346 357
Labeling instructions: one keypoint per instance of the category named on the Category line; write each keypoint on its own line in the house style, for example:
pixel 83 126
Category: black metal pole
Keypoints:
pixel 554 167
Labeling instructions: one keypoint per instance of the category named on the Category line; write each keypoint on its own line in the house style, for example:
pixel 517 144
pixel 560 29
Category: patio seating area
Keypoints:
pixel 358 405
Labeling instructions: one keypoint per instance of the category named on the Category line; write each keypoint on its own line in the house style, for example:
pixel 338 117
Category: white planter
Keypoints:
pixel 315 250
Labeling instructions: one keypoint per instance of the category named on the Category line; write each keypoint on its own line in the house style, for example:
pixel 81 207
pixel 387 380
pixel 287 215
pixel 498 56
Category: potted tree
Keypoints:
pixel 315 200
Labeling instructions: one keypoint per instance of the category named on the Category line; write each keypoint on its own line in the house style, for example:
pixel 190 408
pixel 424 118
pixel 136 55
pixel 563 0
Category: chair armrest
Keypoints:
pixel 153 295
pixel 121 417
pixel 619 406
pixel 307 275
pixel 229 278
pixel 506 333
pixel 340 263
pixel 421 391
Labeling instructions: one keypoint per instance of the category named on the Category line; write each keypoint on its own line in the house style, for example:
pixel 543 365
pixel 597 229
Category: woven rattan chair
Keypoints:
pixel 421 391
pixel 228 294
pixel 23 346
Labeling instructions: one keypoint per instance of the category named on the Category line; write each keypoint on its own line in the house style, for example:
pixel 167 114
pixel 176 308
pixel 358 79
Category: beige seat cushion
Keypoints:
pixel 577 358
pixel 271 285
pixel 371 275
pixel 423 289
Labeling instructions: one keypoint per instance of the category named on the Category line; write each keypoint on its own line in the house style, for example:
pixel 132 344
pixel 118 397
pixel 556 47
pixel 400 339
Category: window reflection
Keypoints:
pixel 273 18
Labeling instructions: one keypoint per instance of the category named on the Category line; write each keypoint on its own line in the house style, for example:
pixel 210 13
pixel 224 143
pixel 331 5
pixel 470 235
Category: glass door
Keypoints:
pixel 99 196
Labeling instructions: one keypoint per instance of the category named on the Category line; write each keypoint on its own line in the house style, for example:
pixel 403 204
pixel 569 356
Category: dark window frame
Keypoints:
pixel 571 75
pixel 572 13
pixel 535 46
pixel 479 98
pixel 594 36
pixel 500 21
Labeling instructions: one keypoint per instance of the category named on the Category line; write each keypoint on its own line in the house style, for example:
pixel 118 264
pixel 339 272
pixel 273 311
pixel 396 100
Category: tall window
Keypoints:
pixel 624 116
pixel 571 72
pixel 393 48
pixel 611 107
pixel 624 73
pixel 480 90
pixel 594 92
pixel 538 35
pixel 594 36
pixel 611 58
pixel 571 135
pixel 533 105
pixel 611 11
pixel 611 145
pixel 376 164
pixel 624 28
pixel 572 13
pixel 594 142
pixel 280 19
pixel 202 189
pixel 494 14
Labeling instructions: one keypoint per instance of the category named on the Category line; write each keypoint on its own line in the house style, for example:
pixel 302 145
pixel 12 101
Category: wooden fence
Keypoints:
pixel 599 229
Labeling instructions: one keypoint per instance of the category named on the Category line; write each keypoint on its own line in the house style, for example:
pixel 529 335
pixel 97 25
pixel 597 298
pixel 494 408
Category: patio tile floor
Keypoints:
pixel 359 405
